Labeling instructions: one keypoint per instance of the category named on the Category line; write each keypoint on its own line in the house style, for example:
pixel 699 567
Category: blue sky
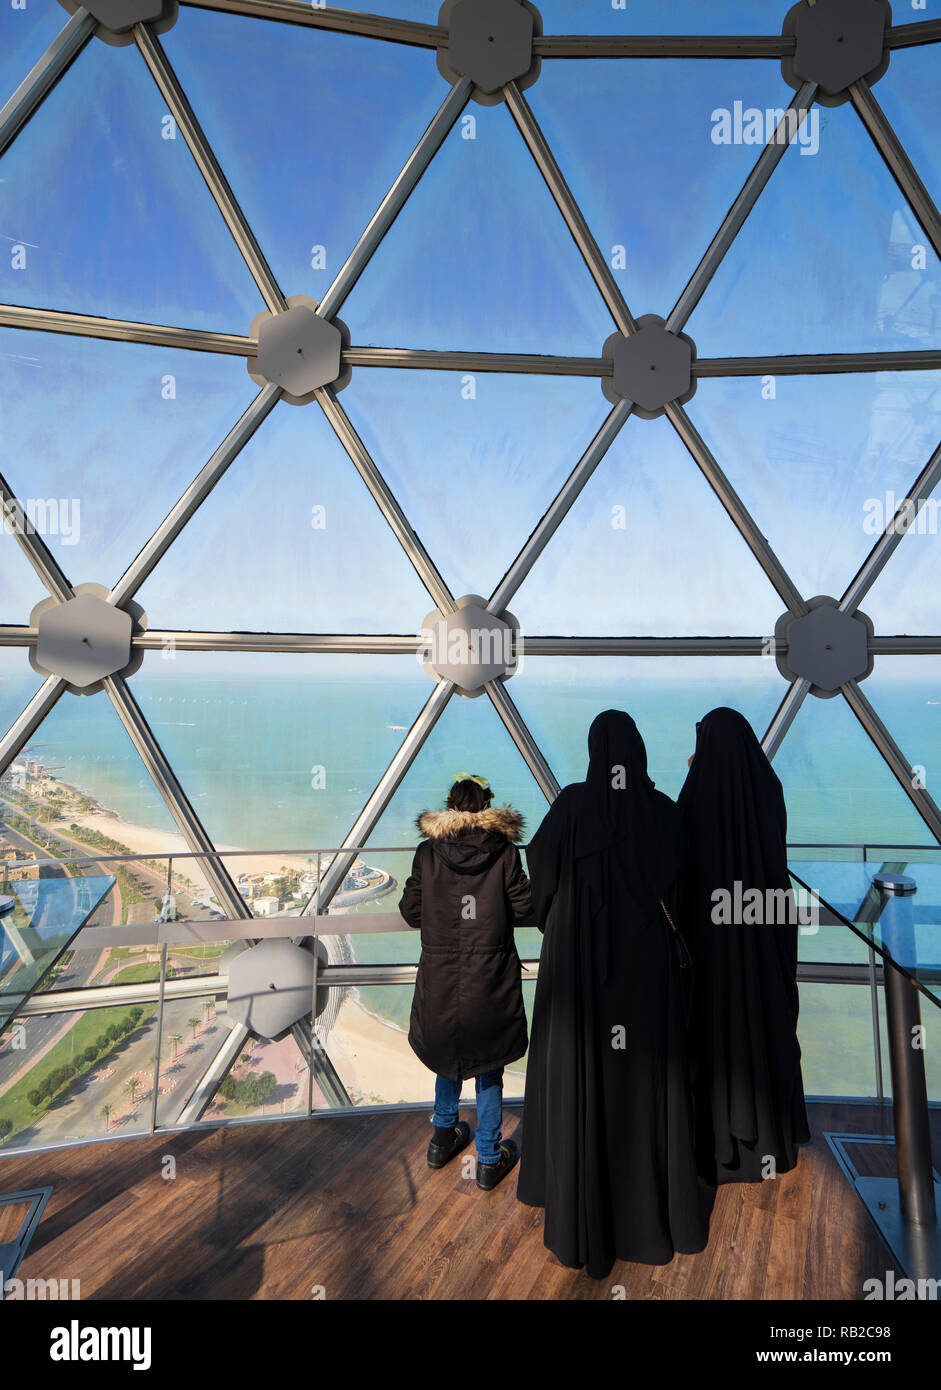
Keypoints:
pixel 116 221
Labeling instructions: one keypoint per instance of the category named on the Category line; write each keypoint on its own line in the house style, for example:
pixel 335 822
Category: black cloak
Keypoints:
pixel 608 1143
pixel 467 892
pixel 743 1032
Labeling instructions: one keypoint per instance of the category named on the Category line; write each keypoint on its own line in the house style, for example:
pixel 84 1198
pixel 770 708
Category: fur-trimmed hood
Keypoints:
pixel 448 824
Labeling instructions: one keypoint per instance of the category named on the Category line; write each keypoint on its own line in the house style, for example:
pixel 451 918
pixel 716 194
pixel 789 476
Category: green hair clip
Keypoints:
pixel 472 777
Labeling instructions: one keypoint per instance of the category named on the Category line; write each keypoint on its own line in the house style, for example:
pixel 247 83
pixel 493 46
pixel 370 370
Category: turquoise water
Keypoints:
pixel 278 762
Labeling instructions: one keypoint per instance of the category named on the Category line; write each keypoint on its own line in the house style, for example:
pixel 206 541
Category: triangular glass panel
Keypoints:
pixel 904 597
pixel 910 97
pixel 26 31
pixel 110 214
pixel 906 694
pixel 289 540
pixel 88 423
pixel 267 1079
pixel 474 460
pixel 349 112
pixel 838 787
pixel 18 684
pixel 831 258
pixel 480 257
pixel 559 696
pixel 279 751
pixel 647 549
pixel 821 462
pixel 656 123
pixel 95 781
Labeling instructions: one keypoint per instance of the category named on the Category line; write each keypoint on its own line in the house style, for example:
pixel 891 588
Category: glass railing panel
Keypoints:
pixel 74 1076
pixel 368 1045
pixel 835 1035
pixel 41 911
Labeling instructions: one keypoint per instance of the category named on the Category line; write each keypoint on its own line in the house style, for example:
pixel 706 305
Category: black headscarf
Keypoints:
pixel 732 801
pixel 621 807
pixel 743 1031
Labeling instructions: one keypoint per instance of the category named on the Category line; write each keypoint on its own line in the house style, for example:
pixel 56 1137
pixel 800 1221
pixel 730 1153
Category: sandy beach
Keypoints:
pixel 141 839
pixel 377 1065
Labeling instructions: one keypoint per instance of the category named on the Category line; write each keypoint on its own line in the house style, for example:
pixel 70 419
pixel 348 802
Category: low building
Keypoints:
pixel 265 906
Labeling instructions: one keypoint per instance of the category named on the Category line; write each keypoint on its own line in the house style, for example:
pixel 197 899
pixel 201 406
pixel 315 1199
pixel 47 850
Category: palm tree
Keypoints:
pixel 176 1039
pixel 193 1023
pixel 105 1114
pixel 132 1086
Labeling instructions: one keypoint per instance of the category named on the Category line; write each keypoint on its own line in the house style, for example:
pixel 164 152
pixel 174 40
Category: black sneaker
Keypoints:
pixel 489 1174
pixel 438 1154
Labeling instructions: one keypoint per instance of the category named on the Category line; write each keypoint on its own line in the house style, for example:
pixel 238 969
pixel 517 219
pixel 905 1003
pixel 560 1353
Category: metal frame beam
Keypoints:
pixel 181 111
pixel 897 161
pixel 784 717
pixel 559 508
pixel 372 26
pixel 738 512
pixel 901 769
pixel 516 727
pixel 662 46
pixel 382 495
pixel 735 218
pixel 194 496
pixel 380 798
pixel 13 517
pixel 396 198
pixel 44 75
pixel 818 364
pixel 598 267
pixel 165 780
pixel 125 330
pixel 881 552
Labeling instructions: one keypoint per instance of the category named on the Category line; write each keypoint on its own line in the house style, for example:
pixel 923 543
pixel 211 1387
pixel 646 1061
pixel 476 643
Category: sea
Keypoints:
pixel 284 762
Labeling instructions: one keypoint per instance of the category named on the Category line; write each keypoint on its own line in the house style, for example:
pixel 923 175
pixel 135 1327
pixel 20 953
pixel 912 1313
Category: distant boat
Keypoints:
pixel 933 702
pixel 399 728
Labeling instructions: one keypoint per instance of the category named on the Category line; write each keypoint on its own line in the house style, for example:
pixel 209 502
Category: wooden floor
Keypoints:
pixel 349 1204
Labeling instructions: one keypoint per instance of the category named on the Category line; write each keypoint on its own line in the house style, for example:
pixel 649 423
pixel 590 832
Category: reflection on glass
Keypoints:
pixel 827 261
pixel 909 95
pixel 836 783
pixel 283 750
pixel 350 112
pixel 657 122
pixel 25 33
pixel 148 241
pixel 932 1055
pixel 83 1075
pixel 822 463
pixel 289 540
pixel 167 411
pixel 558 698
pixel 473 461
pixel 835 1035
pixel 369 1047
pixel 647 549
pixel 480 257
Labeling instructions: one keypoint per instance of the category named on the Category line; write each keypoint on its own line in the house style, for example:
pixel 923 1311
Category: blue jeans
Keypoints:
pixel 489 1111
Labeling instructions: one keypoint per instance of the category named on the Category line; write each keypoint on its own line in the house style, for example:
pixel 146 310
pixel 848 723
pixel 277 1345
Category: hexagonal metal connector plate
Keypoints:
pixel 650 367
pixel 298 350
pixel 271 987
pixel 837 42
pixel 83 640
pixel 491 42
pixel 470 646
pixel 116 18
pixel 86 638
pixel 825 646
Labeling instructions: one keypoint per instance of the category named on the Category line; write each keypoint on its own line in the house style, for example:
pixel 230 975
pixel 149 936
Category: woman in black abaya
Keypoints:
pixel 608 1145
pixel 743 1034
